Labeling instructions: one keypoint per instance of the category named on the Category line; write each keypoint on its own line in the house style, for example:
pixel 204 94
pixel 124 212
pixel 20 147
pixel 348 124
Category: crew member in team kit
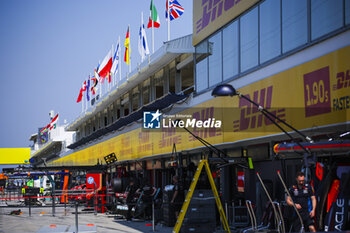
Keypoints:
pixel 302 194
pixel 178 196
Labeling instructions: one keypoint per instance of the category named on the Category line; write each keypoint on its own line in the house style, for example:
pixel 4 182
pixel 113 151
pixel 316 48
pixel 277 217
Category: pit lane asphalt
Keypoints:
pixel 42 217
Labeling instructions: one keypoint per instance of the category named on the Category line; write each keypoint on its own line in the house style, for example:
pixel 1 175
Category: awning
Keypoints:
pixel 158 104
pixel 48 152
pixel 327 146
pixel 46 148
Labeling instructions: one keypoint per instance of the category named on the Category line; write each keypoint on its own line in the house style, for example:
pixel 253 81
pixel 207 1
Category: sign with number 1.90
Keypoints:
pixel 317 92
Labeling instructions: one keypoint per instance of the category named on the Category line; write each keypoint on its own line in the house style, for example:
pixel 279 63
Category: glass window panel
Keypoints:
pixel 159 83
pixel 187 77
pixel 202 75
pixel 347 11
pixel 172 74
pixel 230 50
pixel 135 99
pixel 326 16
pixel 202 66
pixel 270 30
pixel 146 92
pixel 126 104
pixel 215 63
pixel 294 24
pixel 249 39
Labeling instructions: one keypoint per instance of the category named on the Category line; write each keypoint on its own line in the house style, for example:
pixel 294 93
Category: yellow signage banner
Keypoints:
pixel 14 155
pixel 309 96
pixel 210 15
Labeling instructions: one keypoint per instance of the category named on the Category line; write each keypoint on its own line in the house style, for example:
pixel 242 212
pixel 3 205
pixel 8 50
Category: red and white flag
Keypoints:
pixel 106 65
pixel 82 89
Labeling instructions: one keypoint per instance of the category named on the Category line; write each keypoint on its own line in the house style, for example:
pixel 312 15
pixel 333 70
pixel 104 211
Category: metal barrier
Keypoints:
pixel 59 201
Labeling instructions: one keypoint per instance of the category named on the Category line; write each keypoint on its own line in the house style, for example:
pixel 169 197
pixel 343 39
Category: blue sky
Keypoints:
pixel 48 47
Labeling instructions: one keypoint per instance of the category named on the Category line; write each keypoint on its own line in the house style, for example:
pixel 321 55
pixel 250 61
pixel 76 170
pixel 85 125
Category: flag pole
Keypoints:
pixel 152 26
pixel 89 89
pixel 112 75
pixel 82 104
pixel 100 81
pixel 119 62
pixel 86 96
pixel 129 49
pixel 142 57
pixel 110 72
pixel 152 36
pixel 116 71
pixel 168 20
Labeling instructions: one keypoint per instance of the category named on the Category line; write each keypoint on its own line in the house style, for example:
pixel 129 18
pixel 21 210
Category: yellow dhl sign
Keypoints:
pixel 312 95
pixel 209 15
pixel 14 155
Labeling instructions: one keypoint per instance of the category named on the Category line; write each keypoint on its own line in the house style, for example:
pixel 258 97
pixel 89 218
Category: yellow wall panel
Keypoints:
pixel 14 155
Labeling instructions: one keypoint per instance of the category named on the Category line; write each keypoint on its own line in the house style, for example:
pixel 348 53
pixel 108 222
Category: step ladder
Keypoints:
pixel 187 201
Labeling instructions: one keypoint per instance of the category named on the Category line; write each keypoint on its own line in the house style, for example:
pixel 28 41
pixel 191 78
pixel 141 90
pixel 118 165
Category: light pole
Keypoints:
pixel 229 90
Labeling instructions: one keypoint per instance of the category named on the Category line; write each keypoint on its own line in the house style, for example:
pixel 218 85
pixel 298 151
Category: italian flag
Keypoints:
pixel 154 17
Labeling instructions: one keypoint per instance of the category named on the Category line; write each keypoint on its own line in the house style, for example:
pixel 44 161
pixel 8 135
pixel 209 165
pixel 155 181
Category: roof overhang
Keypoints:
pixel 163 56
pixel 151 157
pixel 157 104
pixel 46 149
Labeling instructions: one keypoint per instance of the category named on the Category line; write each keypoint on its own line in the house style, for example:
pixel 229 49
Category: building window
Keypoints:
pixel 106 121
pixel 159 83
pixel 125 102
pixel 215 59
pixel 326 16
pixel 202 66
pixel 118 112
pixel 146 91
pixel 187 78
pixel 294 24
pixel 170 71
pixel 249 39
pixel 230 50
pixel 135 99
pixel 270 30
pixel 347 11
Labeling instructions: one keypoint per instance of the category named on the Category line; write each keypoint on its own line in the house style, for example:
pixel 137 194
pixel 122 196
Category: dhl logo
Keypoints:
pixel 250 118
pixel 205 114
pixel 343 80
pixel 213 9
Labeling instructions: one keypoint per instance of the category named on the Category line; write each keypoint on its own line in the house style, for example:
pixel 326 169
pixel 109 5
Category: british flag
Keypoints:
pixel 175 9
